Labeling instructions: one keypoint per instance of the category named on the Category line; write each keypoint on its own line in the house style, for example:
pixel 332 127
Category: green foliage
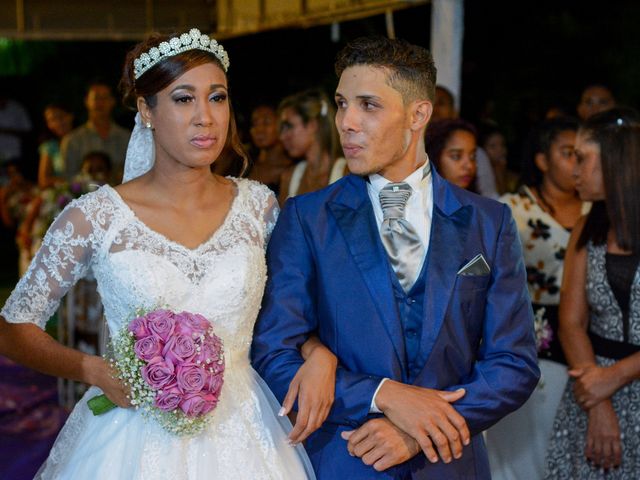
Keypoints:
pixel 18 58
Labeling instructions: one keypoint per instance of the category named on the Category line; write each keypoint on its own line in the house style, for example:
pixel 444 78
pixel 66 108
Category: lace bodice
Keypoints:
pixel 138 268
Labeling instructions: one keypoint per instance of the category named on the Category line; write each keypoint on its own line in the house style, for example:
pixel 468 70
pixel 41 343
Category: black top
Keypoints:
pixel 621 270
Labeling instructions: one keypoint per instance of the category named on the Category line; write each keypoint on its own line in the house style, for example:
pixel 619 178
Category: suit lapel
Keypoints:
pixel 354 215
pixel 449 229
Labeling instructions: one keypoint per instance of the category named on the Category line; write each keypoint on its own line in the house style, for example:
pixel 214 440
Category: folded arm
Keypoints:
pixel 289 317
pixel 506 369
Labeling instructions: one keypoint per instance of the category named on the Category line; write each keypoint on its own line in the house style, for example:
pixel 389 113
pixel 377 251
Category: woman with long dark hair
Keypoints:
pixel 596 430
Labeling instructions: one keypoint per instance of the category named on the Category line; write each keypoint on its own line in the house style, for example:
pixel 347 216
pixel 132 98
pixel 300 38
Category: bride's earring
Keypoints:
pixel 148 125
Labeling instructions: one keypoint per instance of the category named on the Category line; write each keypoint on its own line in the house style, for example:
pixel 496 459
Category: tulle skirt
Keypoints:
pixel 245 440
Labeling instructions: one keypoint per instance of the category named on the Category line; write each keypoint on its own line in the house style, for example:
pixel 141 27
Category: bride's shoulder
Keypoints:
pixel 102 198
pixel 254 191
pixel 98 206
pixel 257 201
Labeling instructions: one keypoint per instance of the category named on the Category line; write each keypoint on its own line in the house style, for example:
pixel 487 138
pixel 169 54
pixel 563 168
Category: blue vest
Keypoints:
pixel 410 307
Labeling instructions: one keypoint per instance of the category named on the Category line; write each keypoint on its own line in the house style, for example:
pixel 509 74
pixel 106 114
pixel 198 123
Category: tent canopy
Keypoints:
pixel 132 20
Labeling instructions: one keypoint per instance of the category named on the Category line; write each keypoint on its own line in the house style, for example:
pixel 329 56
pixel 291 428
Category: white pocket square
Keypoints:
pixel 476 266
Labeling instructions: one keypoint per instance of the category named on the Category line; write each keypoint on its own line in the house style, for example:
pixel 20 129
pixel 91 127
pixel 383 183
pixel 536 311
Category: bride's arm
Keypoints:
pixel 313 387
pixel 65 256
pixel 30 346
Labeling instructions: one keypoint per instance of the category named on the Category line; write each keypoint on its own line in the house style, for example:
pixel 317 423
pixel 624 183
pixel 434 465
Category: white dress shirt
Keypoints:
pixel 418 212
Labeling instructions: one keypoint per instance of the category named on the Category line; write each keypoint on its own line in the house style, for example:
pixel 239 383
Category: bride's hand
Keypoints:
pixel 102 375
pixel 314 387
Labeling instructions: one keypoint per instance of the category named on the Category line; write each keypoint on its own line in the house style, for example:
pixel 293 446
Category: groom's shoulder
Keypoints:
pixel 484 210
pixel 338 191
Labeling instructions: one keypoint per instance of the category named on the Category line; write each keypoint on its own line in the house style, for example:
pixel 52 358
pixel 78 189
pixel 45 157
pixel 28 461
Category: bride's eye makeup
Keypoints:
pixel 182 98
pixel 218 97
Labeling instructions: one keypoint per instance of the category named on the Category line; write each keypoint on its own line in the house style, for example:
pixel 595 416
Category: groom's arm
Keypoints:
pixel 505 372
pixel 506 369
pixel 289 316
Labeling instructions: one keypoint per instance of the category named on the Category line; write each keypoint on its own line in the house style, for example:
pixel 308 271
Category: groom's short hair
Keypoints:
pixel 410 68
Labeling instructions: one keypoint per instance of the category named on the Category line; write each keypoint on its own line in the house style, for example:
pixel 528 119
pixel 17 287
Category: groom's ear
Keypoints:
pixel 421 111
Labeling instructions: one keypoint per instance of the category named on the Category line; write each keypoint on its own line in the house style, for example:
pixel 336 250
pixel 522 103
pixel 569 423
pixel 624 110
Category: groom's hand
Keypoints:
pixel 426 415
pixel 381 444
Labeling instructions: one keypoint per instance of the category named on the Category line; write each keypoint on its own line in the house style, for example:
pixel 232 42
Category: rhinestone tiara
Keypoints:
pixel 187 41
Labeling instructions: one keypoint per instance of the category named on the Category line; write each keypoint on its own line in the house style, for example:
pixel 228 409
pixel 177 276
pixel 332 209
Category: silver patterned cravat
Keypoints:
pixel 399 238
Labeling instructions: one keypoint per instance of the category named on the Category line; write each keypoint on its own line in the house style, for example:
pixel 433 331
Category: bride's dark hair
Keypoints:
pixel 162 74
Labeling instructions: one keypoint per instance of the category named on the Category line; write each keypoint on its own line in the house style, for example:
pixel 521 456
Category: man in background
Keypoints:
pixel 99 134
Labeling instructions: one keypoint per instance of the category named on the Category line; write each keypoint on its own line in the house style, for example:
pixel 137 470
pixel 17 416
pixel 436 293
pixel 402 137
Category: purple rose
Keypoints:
pixel 148 347
pixel 213 383
pixel 190 323
pixel 139 327
pixel 190 377
pixel 210 351
pixel 195 404
pixel 184 329
pixel 161 323
pixel 169 399
pixel 179 349
pixel 158 373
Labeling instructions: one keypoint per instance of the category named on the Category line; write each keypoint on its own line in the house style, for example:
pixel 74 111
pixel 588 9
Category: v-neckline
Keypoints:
pixel 163 237
pixel 601 252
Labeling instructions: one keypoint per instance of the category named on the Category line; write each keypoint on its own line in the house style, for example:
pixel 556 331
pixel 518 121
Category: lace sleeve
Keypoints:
pixel 271 212
pixel 64 257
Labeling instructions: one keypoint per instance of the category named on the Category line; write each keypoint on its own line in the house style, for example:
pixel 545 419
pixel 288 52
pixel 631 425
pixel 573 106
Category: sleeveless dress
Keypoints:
pixel 565 456
pixel 138 268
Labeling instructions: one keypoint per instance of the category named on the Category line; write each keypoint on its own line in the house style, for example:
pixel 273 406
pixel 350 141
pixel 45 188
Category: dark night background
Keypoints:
pixel 519 59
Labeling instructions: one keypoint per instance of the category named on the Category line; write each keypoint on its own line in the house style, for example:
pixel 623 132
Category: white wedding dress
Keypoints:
pixel 136 267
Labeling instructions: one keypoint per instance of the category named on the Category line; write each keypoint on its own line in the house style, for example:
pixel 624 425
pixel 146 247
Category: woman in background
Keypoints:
pixel 494 143
pixel 51 169
pixel 597 427
pixel 271 160
pixel 545 209
pixel 451 147
pixel 308 132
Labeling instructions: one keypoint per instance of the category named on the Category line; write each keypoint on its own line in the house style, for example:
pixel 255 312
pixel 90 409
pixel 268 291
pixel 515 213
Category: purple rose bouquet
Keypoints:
pixel 174 366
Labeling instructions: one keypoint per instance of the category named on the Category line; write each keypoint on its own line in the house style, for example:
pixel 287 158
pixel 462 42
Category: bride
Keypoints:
pixel 173 236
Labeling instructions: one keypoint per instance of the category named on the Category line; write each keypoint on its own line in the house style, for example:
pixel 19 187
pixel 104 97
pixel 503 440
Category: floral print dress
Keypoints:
pixel 517 445
pixel 544 243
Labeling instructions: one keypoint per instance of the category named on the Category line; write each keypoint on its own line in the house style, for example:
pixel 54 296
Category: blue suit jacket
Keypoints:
pixel 329 274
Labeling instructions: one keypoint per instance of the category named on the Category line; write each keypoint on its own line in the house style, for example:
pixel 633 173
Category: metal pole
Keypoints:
pixel 149 15
pixel 391 29
pixel 20 16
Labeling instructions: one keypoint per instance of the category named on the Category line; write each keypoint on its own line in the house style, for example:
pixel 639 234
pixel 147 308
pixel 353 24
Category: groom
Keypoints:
pixel 417 287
